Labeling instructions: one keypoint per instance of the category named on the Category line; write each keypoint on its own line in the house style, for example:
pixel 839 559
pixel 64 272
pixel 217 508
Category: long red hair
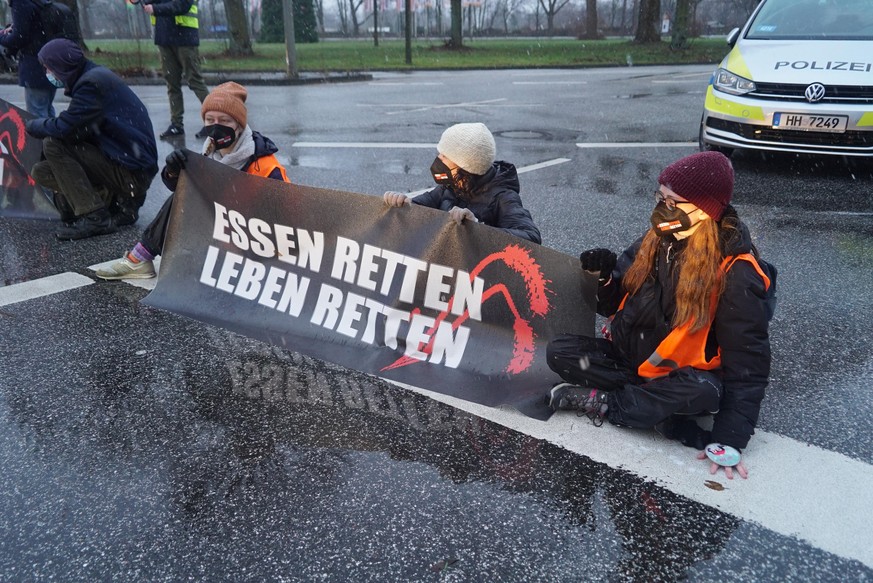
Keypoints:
pixel 701 279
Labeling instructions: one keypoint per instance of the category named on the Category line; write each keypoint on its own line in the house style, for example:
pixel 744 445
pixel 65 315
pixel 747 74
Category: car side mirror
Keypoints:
pixel 732 37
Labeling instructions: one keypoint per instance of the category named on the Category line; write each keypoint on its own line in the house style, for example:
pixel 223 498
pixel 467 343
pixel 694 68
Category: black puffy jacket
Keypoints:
pixel 495 202
pixel 740 328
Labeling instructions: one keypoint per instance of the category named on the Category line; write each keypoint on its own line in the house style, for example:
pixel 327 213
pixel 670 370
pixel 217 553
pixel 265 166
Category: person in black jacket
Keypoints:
pixel 25 36
pixel 100 154
pixel 230 141
pixel 178 40
pixel 472 186
pixel 690 304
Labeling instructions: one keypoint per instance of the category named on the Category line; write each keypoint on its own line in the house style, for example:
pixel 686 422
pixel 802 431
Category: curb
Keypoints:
pixel 243 78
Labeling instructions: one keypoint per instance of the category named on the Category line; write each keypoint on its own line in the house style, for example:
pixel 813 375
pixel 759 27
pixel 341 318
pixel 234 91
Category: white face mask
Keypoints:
pixel 697 217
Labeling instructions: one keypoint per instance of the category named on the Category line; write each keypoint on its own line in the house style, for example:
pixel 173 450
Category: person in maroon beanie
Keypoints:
pixel 689 305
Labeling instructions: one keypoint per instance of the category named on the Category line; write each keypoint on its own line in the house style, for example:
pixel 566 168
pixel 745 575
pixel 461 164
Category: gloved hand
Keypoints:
pixel 176 162
pixel 31 125
pixel 395 198
pixel 602 260
pixel 459 215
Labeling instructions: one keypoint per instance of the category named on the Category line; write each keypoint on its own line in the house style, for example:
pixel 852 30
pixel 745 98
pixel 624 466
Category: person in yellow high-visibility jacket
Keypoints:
pixel 178 41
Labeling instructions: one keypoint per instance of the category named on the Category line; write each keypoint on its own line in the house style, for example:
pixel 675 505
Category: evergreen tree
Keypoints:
pixel 273 27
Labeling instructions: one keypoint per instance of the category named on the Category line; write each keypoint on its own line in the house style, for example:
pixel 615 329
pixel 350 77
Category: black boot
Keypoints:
pixel 123 215
pixel 63 207
pixel 95 223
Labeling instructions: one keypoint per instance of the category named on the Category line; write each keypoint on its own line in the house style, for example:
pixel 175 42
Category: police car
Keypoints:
pixel 798 78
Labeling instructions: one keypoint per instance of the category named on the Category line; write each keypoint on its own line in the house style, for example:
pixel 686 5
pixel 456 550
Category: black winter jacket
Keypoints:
pixel 495 202
pixel 26 37
pixel 740 328
pixel 105 112
pixel 167 32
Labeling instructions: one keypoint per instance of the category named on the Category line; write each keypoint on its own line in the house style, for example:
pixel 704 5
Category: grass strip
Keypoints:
pixel 131 56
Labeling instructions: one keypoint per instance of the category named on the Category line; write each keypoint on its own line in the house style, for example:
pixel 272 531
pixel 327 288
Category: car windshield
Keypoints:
pixel 813 20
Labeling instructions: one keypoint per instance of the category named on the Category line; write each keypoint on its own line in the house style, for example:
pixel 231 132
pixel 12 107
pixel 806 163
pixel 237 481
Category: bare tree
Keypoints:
pixel 508 9
pixel 457 15
pixel 319 14
pixel 238 27
pixel 681 24
pixel 591 31
pixel 551 8
pixel 343 12
pixel 648 24
pixel 353 12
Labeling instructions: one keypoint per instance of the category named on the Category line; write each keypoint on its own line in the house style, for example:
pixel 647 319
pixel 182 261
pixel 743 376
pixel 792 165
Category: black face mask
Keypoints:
pixel 222 136
pixel 667 221
pixel 442 174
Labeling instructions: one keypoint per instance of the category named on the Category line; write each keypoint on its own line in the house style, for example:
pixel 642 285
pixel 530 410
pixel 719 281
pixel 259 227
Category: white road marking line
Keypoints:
pixel 550 82
pixel 550 73
pixel 637 145
pixel 402 83
pixel 521 170
pixel 398 145
pixel 540 165
pixel 44 286
pixel 795 489
pixel 418 107
pixel 685 76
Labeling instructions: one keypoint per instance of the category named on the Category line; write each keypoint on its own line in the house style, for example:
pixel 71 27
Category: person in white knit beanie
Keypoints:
pixel 472 186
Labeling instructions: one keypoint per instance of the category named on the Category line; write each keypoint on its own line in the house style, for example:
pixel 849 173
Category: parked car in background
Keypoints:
pixel 798 78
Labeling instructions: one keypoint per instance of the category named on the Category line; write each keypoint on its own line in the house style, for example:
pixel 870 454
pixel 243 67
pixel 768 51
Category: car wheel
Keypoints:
pixel 706 147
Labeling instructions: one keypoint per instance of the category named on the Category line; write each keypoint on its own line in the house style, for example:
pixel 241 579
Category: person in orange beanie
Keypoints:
pixel 229 140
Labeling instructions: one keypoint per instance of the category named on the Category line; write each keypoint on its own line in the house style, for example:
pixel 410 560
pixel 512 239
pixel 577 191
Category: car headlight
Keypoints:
pixel 733 84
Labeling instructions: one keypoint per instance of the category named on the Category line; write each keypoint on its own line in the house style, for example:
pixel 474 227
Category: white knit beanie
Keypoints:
pixel 470 146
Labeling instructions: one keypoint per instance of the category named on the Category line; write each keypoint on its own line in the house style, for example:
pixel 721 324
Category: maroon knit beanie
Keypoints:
pixel 705 179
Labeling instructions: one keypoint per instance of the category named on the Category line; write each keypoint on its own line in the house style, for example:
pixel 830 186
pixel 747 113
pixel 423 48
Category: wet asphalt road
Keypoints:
pixel 137 445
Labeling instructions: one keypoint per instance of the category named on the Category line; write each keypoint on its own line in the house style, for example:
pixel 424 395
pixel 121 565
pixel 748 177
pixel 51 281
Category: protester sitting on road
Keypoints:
pixel 472 186
pixel 229 141
pixel 689 304
pixel 100 154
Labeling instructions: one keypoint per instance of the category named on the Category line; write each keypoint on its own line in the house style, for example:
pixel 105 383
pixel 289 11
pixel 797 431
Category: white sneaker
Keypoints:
pixel 124 268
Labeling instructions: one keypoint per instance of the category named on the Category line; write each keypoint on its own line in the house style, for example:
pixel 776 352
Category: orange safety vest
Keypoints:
pixel 682 347
pixel 265 165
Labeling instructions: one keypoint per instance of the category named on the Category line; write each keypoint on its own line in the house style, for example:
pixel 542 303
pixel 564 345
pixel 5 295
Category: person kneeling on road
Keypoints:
pixel 100 154
pixel 229 141
pixel 472 186
pixel 690 304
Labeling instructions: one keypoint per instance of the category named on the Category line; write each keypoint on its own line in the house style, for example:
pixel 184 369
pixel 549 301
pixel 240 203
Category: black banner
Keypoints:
pixel 402 293
pixel 20 196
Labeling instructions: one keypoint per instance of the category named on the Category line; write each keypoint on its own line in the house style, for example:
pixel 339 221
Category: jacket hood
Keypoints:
pixel 64 58
pixel 264 146
pixel 501 175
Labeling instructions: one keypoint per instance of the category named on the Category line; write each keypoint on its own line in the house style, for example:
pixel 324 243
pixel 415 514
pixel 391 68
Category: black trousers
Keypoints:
pixel 87 180
pixel 633 401
pixel 153 236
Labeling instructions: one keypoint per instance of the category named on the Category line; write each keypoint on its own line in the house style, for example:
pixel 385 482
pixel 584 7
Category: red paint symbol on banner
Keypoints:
pixel 519 260
pixel 13 141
